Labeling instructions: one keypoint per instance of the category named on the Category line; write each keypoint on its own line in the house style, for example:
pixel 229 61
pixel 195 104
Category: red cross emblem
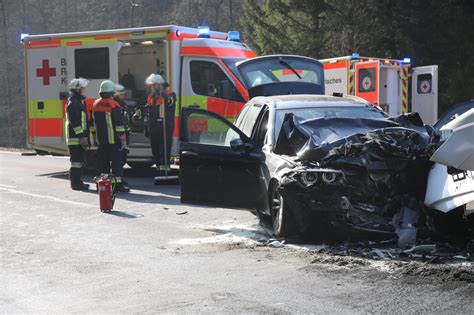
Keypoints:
pixel 366 83
pixel 425 86
pixel 46 72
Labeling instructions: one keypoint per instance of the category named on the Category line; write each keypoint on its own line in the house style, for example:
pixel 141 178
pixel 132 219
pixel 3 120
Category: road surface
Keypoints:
pixel 60 254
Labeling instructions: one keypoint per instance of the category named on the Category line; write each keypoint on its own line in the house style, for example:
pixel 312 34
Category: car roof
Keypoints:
pixel 310 100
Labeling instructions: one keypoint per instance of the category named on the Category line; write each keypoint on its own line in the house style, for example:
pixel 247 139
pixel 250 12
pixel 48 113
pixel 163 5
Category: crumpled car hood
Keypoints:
pixel 354 140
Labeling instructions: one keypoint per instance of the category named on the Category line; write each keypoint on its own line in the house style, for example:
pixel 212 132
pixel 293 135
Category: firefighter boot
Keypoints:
pixel 75 178
pixel 119 186
pixel 125 184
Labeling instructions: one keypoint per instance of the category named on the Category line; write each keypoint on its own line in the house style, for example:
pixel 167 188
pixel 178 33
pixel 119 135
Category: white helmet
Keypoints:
pixel 119 88
pixel 76 84
pixel 154 79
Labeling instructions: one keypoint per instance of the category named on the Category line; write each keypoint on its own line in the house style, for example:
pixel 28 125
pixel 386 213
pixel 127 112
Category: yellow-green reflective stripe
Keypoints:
pixel 83 120
pixel 110 128
pixel 72 141
pixel 45 109
pixel 78 130
pixel 120 128
pixel 66 128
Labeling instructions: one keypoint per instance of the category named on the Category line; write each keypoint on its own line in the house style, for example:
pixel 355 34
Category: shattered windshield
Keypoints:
pixel 327 112
pixel 280 69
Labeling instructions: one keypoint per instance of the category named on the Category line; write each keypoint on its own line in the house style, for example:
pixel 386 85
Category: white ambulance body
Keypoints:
pixel 191 60
pixel 385 83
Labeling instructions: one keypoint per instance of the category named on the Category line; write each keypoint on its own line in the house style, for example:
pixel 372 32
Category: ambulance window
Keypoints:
pixel 92 63
pixel 208 79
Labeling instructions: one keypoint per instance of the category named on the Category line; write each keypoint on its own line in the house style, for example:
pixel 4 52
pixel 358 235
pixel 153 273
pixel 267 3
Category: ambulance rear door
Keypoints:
pixel 424 96
pixel 367 81
pixel 95 63
pixel 45 116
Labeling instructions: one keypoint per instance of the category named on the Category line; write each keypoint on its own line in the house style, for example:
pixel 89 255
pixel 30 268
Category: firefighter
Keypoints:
pixel 160 111
pixel 107 122
pixel 77 131
pixel 119 97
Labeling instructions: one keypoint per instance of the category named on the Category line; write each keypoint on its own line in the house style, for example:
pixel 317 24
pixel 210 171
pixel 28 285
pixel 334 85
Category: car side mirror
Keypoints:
pixel 237 145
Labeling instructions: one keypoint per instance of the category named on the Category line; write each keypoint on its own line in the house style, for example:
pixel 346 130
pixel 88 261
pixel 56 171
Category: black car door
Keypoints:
pixel 218 163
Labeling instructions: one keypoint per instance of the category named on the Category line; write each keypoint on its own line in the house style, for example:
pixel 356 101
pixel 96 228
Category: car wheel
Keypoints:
pixel 283 222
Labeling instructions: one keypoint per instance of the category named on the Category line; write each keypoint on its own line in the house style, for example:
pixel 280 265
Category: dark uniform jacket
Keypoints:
pixel 126 116
pixel 107 121
pixel 155 111
pixel 76 119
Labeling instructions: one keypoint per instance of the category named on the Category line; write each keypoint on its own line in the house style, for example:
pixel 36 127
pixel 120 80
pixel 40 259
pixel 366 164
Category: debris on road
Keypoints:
pixel 182 213
pixel 276 244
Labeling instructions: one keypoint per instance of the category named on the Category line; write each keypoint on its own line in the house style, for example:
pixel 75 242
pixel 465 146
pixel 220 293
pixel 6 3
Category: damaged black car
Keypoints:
pixel 311 162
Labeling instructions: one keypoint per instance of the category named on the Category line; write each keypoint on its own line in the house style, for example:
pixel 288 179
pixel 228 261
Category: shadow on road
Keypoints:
pixel 123 214
pixel 60 175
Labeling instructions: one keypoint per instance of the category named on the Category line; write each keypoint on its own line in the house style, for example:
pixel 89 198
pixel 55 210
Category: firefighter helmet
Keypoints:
pixel 154 79
pixel 119 89
pixel 77 84
pixel 107 86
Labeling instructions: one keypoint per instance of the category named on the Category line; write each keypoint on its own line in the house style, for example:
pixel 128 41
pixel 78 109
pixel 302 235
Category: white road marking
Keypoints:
pixel 10 152
pixel 46 197
pixel 6 186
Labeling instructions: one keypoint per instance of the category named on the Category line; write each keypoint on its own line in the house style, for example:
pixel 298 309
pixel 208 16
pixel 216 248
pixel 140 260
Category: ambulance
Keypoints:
pixel 385 83
pixel 191 60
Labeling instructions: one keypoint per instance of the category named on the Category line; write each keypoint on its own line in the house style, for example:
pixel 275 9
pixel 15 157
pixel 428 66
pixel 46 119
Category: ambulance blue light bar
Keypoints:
pixel 233 36
pixel 355 56
pixel 406 60
pixel 23 36
pixel 204 32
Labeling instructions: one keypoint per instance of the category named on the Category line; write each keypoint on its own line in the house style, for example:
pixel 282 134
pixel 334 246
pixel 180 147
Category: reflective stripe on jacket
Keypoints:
pixel 107 121
pixel 76 125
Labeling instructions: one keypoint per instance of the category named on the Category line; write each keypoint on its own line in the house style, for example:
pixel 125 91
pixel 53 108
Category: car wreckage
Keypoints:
pixel 313 162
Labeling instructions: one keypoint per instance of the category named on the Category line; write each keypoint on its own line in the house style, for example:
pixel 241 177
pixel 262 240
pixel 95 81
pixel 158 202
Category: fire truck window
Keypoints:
pixel 92 63
pixel 208 79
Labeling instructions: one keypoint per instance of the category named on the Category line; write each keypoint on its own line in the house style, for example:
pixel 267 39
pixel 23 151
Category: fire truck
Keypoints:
pixel 191 60
pixel 385 83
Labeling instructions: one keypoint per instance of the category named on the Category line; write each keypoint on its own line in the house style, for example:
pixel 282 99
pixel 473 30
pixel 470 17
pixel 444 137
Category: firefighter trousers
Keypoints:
pixel 110 155
pixel 77 155
pixel 157 143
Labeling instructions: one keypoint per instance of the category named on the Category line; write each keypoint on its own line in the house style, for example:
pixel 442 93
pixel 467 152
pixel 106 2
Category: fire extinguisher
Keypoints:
pixel 106 193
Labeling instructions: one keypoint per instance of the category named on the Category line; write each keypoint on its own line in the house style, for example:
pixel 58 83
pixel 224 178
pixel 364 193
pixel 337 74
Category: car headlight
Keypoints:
pixel 309 178
pixel 329 177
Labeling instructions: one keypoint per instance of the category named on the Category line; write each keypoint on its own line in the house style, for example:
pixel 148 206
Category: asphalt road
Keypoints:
pixel 60 254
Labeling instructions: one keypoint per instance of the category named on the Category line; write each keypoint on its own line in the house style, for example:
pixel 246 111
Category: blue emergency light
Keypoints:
pixel 355 56
pixel 23 36
pixel 204 32
pixel 233 36
pixel 406 60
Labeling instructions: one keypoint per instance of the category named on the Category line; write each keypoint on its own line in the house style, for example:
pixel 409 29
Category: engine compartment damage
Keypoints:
pixel 359 174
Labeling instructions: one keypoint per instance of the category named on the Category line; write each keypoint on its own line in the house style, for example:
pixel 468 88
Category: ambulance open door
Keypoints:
pixel 367 81
pixel 424 96
pixel 95 63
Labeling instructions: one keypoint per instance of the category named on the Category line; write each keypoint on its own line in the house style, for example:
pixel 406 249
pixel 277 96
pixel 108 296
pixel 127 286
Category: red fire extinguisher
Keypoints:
pixel 106 193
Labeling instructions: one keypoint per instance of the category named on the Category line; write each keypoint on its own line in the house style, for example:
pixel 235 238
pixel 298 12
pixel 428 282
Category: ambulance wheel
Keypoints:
pixel 140 165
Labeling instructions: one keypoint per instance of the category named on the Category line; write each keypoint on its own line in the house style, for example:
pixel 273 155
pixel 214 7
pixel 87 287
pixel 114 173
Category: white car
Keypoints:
pixel 450 185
